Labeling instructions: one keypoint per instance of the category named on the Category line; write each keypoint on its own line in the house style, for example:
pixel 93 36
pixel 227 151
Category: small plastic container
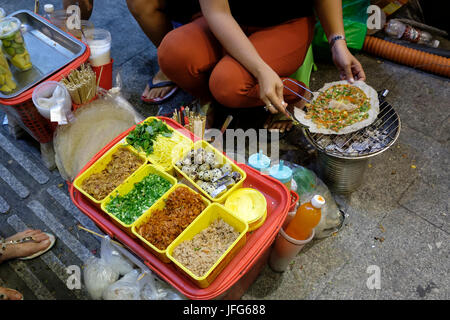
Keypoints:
pixel 282 173
pixel 103 75
pixel 158 205
pixel 46 90
pixel 128 185
pixel 13 43
pixel 99 41
pixel 285 249
pixel 248 204
pixel 208 216
pixel 98 166
pixel 259 161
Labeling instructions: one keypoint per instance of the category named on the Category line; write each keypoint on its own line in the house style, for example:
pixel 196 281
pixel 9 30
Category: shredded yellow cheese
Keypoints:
pixel 165 150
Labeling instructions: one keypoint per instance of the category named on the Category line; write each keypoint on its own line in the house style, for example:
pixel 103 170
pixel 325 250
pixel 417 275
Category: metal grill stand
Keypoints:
pixel 342 159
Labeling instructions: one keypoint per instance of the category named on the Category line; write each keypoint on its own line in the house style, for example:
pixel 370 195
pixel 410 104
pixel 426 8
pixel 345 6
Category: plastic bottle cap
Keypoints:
pixel 281 172
pixel 259 161
pixel 49 8
pixel 317 201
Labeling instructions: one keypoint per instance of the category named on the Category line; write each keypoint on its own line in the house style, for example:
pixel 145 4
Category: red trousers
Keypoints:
pixel 195 60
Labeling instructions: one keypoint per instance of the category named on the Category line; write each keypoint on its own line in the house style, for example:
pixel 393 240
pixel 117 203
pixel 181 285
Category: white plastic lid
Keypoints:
pixel 318 201
pixel 49 8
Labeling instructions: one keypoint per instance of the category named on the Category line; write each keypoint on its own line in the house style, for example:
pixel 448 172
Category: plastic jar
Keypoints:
pixel 13 43
pixel 99 41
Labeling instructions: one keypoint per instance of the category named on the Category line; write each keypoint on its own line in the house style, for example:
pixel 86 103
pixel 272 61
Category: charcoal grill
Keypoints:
pixel 342 159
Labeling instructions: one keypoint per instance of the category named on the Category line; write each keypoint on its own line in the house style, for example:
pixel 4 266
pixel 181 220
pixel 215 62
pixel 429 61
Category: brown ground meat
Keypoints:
pixel 201 252
pixel 163 226
pixel 123 163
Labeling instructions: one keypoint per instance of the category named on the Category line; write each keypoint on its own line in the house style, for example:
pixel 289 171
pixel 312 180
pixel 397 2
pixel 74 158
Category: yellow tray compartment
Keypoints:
pixel 158 205
pixel 207 217
pixel 185 144
pixel 220 157
pixel 101 164
pixel 128 185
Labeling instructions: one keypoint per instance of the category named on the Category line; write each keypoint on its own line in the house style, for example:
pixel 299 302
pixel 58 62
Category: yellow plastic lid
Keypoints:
pixel 248 204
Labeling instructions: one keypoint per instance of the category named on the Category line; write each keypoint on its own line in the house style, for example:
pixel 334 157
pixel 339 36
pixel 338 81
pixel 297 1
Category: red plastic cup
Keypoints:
pixel 104 73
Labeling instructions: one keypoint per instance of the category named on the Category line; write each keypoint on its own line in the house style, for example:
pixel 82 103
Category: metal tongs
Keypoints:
pixel 296 122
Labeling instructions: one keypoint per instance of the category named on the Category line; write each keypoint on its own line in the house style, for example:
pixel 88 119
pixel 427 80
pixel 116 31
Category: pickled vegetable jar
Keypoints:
pixel 13 44
pixel 7 83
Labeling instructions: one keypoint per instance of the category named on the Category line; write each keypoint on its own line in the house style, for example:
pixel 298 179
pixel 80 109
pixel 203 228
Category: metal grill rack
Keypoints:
pixel 364 143
pixel 342 159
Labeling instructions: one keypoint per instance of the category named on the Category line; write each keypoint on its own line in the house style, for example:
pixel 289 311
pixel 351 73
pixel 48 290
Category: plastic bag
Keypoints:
pixel 114 258
pixel 152 288
pixel 307 184
pixel 155 289
pixel 94 126
pixel 127 288
pixel 355 27
pixel 98 275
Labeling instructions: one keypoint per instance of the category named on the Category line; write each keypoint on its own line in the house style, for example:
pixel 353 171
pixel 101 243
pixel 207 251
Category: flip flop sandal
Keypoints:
pixel 37 254
pixel 162 84
pixel 5 296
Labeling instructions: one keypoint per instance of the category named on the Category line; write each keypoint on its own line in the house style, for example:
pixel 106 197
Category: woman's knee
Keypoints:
pixel 171 54
pixel 229 84
pixel 179 54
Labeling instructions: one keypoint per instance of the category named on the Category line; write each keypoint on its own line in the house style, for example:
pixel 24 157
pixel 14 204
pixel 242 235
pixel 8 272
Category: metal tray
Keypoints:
pixel 50 49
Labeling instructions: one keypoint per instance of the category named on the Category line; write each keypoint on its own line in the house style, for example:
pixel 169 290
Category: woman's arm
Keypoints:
pixel 329 13
pixel 225 28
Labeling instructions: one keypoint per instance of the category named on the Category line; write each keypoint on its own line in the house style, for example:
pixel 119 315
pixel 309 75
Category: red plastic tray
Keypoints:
pixel 258 242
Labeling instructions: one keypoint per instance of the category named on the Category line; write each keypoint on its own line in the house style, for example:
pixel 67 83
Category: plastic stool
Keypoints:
pixel 303 73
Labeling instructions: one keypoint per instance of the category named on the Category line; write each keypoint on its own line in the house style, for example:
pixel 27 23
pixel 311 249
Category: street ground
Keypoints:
pixel 397 220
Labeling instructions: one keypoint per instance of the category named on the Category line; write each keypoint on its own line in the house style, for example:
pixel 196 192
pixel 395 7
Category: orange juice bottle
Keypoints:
pixel 306 219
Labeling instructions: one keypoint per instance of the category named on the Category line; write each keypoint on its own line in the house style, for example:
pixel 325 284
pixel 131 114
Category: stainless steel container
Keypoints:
pixel 342 176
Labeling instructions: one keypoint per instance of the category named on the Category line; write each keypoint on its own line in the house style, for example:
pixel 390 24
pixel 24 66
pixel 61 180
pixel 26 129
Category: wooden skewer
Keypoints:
pixel 142 276
pixel 98 235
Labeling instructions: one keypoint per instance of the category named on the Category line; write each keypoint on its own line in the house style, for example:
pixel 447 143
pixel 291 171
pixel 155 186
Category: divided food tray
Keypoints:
pixel 258 241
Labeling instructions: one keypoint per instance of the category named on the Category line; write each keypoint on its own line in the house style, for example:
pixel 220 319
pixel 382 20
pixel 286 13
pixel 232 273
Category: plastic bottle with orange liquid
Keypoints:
pixel 306 219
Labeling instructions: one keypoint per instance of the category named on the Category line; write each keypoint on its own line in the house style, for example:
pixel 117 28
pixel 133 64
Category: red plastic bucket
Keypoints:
pixel 104 75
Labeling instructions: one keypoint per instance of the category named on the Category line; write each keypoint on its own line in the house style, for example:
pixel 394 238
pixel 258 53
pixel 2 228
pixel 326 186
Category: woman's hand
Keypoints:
pixel 349 67
pixel 271 90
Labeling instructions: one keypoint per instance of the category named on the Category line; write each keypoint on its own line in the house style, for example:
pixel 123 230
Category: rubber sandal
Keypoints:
pixel 4 296
pixel 162 84
pixel 37 254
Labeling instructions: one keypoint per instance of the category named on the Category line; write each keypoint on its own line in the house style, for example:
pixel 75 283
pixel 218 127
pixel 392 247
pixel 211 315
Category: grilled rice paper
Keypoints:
pixel 340 108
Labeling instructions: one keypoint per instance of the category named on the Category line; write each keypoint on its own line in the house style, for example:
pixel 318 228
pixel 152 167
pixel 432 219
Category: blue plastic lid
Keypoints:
pixel 281 172
pixel 259 161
